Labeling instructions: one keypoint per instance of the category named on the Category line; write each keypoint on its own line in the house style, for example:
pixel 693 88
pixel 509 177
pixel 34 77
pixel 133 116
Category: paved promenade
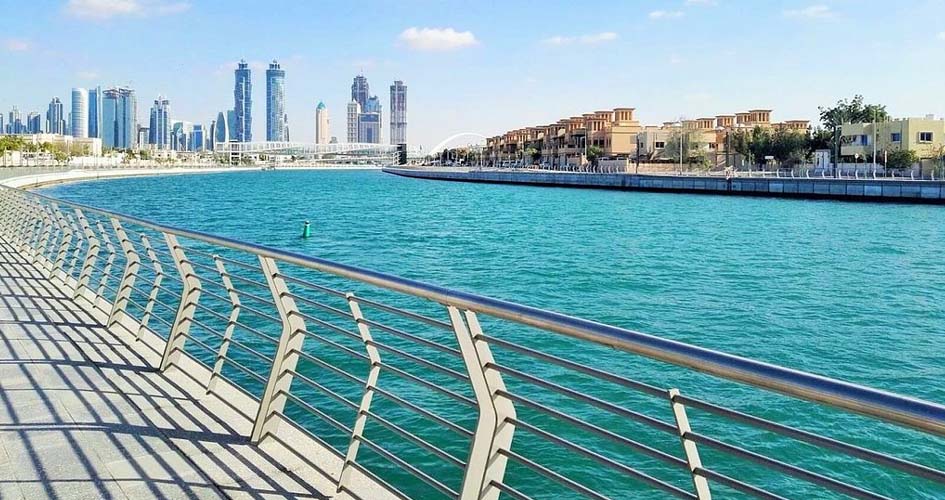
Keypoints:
pixel 84 415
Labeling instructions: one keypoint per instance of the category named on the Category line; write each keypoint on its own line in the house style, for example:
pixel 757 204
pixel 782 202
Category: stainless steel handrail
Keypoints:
pixel 919 414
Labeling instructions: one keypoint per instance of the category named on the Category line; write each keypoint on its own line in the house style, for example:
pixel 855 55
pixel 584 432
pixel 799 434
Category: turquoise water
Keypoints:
pixel 849 290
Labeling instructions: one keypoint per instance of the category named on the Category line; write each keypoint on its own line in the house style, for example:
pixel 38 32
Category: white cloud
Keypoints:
pixel 17 45
pixel 106 9
pixel 591 39
pixel 437 39
pixel 665 14
pixel 941 35
pixel 812 12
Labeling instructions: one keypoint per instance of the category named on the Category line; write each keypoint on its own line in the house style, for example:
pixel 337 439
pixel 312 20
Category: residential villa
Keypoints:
pixel 620 136
pixel 925 136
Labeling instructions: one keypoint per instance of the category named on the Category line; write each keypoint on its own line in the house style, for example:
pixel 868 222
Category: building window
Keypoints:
pixel 659 144
pixel 896 137
pixel 864 140
pixel 711 145
pixel 925 136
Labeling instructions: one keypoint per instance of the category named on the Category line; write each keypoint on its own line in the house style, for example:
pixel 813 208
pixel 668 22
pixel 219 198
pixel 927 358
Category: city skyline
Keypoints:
pixel 507 77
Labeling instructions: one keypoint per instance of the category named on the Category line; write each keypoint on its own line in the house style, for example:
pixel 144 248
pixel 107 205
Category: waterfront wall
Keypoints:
pixel 840 189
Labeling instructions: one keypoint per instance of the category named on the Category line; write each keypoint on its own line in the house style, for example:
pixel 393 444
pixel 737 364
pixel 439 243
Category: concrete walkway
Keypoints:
pixel 83 415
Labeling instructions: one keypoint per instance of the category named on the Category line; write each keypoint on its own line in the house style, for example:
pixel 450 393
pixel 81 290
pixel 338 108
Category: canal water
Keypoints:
pixel 849 290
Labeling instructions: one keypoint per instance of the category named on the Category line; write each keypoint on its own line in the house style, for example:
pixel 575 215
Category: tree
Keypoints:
pixel 788 146
pixel 593 154
pixel 820 138
pixel 900 159
pixel 688 144
pixel 534 154
pixel 849 111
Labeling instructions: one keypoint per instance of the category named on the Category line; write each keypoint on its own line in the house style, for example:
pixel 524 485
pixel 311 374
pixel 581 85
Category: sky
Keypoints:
pixel 482 67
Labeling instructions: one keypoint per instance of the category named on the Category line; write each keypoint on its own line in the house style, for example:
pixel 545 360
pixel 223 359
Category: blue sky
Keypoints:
pixel 483 66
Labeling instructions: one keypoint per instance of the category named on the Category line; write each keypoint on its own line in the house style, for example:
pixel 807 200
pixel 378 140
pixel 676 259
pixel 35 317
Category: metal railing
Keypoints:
pixel 436 392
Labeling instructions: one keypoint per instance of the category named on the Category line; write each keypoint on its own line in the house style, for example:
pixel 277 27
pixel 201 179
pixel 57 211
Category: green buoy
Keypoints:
pixel 306 230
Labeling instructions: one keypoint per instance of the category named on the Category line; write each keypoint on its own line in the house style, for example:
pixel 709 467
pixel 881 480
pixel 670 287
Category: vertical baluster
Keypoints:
pixel 47 239
pixel 493 430
pixel 64 229
pixel 700 483
pixel 230 324
pixel 107 268
pixel 18 219
pixel 286 357
pixel 31 244
pixel 79 243
pixel 155 286
pixel 85 275
pixel 357 431
pixel 132 263
pixel 188 303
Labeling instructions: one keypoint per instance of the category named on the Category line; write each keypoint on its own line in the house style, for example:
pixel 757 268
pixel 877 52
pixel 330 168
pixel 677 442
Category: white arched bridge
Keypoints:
pixel 308 150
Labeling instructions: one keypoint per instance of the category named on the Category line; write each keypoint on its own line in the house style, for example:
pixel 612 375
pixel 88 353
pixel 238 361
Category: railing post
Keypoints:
pixel 155 287
pixel 286 356
pixel 58 266
pixel 47 239
pixel 19 219
pixel 357 431
pixel 700 483
pixel 188 303
pixel 230 324
pixel 132 263
pixel 35 230
pixel 494 431
pixel 90 256
pixel 109 261
pixel 78 246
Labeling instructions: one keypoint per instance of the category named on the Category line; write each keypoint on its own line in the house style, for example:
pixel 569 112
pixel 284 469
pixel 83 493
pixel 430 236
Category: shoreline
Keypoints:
pixel 860 190
pixel 42 179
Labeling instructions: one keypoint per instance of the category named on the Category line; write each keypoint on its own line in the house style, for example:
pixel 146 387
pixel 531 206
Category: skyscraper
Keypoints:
pixel 354 119
pixel 95 112
pixel 275 102
pixel 243 103
pixel 181 133
pixel 159 129
pixel 360 91
pixel 322 126
pixel 79 125
pixel 197 139
pixel 231 124
pixel 119 122
pixel 221 129
pixel 55 124
pixel 369 122
pixel 15 125
pixel 34 123
pixel 398 113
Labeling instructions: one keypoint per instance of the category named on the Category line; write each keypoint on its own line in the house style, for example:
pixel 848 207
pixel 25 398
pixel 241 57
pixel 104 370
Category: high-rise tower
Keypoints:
pixel 159 130
pixel 398 113
pixel 354 119
pixel 369 122
pixel 80 113
pixel 360 92
pixel 119 118
pixel 322 132
pixel 55 124
pixel 243 103
pixel 95 112
pixel 275 103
